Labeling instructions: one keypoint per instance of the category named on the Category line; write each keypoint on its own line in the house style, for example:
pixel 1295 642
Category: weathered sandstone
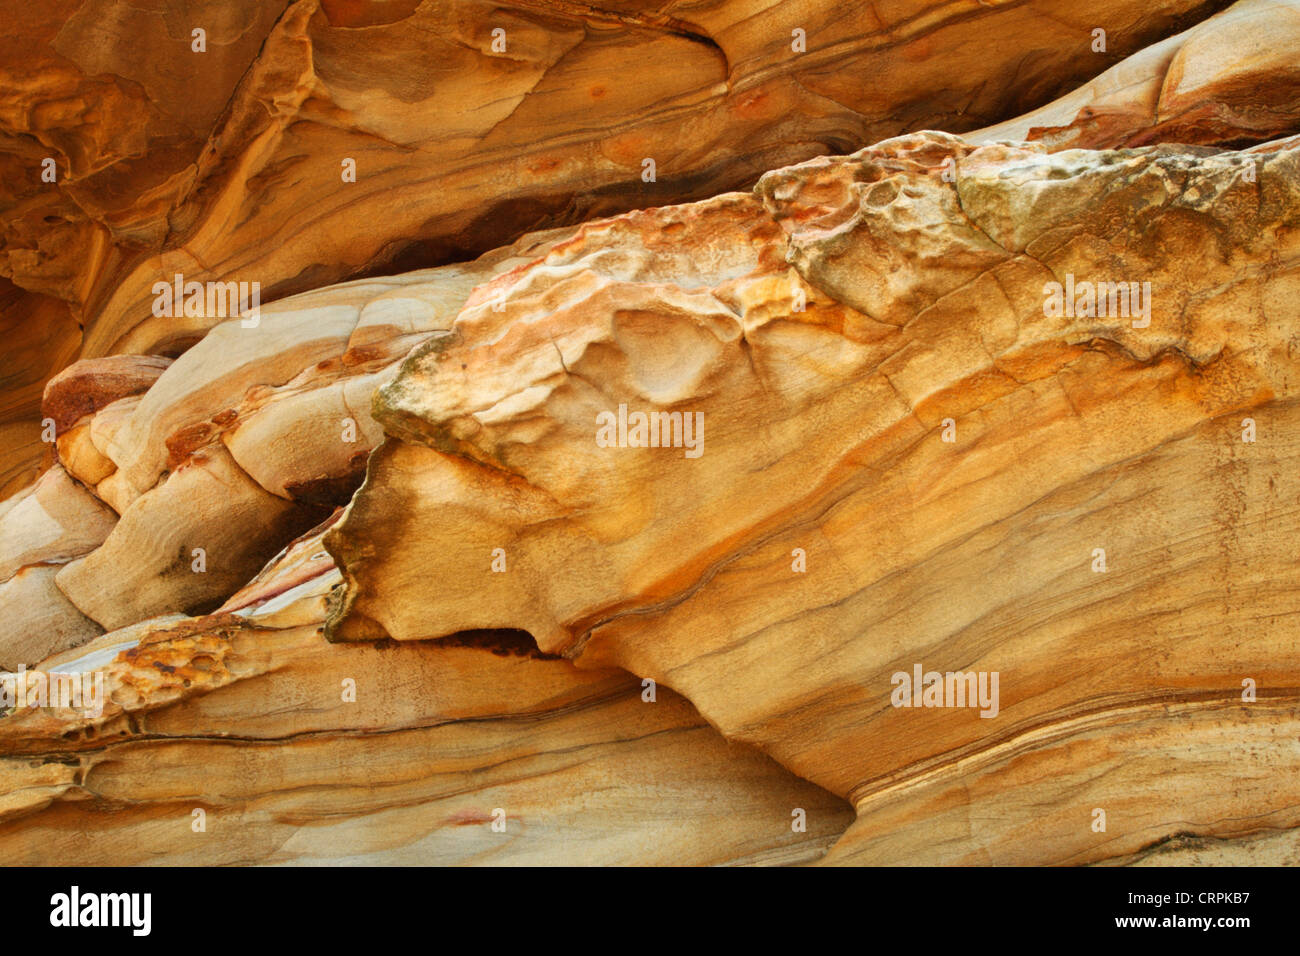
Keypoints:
pixel 1231 79
pixel 823 443
pixel 315 141
pixel 245 717
pixel 931 504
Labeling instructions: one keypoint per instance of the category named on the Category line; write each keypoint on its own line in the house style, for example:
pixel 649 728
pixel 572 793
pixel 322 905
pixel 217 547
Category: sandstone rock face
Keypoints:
pixel 41 530
pixel 823 446
pixel 415 765
pixel 929 504
pixel 295 144
pixel 1232 79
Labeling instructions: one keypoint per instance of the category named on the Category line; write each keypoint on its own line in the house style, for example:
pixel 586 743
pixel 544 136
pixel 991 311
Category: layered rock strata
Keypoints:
pixel 297 144
pixel 885 443
pixel 932 504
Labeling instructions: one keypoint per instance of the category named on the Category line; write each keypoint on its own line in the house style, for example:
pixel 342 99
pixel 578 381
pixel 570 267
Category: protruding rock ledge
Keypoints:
pixel 912 452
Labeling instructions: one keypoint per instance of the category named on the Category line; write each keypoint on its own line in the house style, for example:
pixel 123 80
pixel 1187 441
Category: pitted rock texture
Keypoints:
pixel 925 305
pixel 229 163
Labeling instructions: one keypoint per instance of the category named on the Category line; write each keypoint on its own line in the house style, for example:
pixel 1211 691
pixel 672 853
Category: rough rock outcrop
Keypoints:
pixel 803 534
pixel 828 536
pixel 930 504
pixel 301 143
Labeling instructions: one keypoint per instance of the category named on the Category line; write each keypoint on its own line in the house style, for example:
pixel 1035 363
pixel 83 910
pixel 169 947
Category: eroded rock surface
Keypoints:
pixel 1230 80
pixel 247 717
pixel 296 144
pixel 625 543
pixel 925 310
